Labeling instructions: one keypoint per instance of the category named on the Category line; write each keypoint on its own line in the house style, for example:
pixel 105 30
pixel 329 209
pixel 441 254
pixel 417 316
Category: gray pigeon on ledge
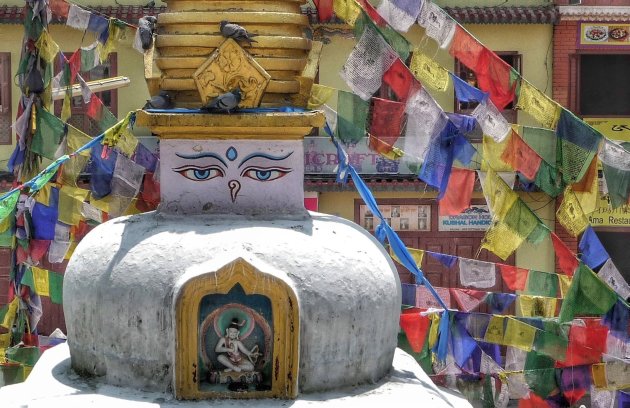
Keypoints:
pixel 236 32
pixel 146 26
pixel 161 101
pixel 225 102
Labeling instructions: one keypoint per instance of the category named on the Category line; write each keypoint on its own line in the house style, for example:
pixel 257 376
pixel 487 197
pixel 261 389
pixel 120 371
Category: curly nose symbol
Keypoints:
pixel 235 187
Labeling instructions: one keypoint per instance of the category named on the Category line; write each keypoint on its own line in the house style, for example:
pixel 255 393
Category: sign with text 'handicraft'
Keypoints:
pixel 473 218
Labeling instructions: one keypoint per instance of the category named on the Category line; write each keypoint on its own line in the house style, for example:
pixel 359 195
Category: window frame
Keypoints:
pixel 6 101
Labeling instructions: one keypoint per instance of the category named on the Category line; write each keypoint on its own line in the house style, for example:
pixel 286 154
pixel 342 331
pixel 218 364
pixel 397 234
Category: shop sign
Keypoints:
pixel 320 157
pixel 603 35
pixel 605 216
pixel 399 217
pixel 473 218
pixel 612 128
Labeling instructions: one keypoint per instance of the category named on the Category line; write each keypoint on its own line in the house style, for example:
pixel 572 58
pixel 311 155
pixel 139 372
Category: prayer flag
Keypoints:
pixel 368 61
pixel 588 295
pixel 574 382
pixel 437 24
pixel 567 262
pixel 601 398
pixel 499 302
pixel 347 10
pixel 491 121
pixel 522 220
pixel 495 331
pixel 78 18
pixel 492 153
pixel 565 283
pixel 99 25
pixel 59 246
pixel 387 120
pixel 8 203
pixel 320 94
pixel 70 203
pixel 47 47
pixel 400 14
pixel 463 345
pixel 426 300
pixel 521 157
pixel 501 240
pixel 458 192
pixel 428 71
pixel 615 155
pixel 401 80
pixel 499 196
pixel 570 214
pixel 416 328
pixel 515 278
pixel 617 319
pixel 540 374
pixel 586 345
pixel 102 170
pixel 464 92
pixel 549 179
pixel 579 143
pixel 540 106
pixel 553 340
pixel 351 117
pixel 8 313
pixel 611 275
pixel 467 299
pixel 47 137
pixel 519 334
pixel 396 40
pixel 495 76
pixel 536 306
pixel 542 284
pixel 60 8
pixel 466 48
pixel 438 162
pixel 476 273
pixel 44 217
pixel 447 260
pixel 593 252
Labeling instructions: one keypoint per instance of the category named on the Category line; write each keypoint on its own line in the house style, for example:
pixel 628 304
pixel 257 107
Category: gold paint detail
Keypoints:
pixel 227 68
pixel 285 316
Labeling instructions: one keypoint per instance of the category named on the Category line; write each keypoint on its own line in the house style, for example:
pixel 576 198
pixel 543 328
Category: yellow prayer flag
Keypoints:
pixel 499 196
pixel 9 317
pixel 5 341
pixel 320 94
pixel 43 194
pixel 588 199
pixel 501 240
pixel 416 254
pixel 428 71
pixel 117 32
pixel 495 331
pixel 132 209
pixel 492 151
pixel 540 106
pixel 47 47
pixel 102 204
pixel 535 306
pixel 66 109
pixel 599 375
pixel 519 334
pixel 70 170
pixel 6 222
pixel 347 10
pixel 433 331
pixel 42 285
pixel 570 214
pixel 77 139
pixel 70 204
pixel 127 143
pixel 565 282
pixel 71 248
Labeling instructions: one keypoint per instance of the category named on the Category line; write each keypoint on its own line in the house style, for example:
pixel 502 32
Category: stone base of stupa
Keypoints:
pixel 53 384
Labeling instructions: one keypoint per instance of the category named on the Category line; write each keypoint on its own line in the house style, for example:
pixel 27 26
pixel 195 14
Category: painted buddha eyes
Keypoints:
pixel 265 173
pixel 196 173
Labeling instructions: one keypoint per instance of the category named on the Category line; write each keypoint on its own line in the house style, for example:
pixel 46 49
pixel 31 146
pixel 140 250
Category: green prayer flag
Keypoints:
pixel 543 141
pixel 549 179
pixel 56 287
pixel 352 115
pixel 398 42
pixel 44 177
pixel 521 219
pixel 588 295
pixel 50 131
pixel 27 278
pixel 617 182
pixel 7 205
pixel 553 340
pixel 542 284
pixel 540 373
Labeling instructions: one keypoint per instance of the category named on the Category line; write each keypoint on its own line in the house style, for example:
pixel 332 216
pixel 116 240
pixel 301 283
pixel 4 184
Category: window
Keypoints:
pixel 604 85
pixel 512 58
pixel 5 98
pixel 79 118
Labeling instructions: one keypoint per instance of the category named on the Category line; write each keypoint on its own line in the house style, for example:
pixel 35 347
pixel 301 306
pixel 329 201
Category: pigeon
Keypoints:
pixel 235 31
pixel 150 4
pixel 224 102
pixel 146 26
pixel 161 101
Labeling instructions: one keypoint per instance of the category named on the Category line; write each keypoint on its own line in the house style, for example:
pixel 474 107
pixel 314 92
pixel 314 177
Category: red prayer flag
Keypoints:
pixel 567 262
pixel 416 328
pixel 458 192
pixel 75 65
pixel 515 278
pixel 586 345
pixel 467 299
pixel 372 13
pixel 400 79
pixel 574 395
pixel 95 108
pixel 59 8
pixel 521 157
pixel 493 76
pixel 466 48
pixel 149 196
pixel 587 181
pixel 386 120
pixel 533 401
pixel 37 248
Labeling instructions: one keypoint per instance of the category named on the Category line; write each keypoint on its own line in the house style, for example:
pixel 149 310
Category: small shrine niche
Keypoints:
pixel 237 335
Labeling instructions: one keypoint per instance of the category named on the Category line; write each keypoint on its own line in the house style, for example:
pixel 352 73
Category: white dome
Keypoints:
pixel 122 281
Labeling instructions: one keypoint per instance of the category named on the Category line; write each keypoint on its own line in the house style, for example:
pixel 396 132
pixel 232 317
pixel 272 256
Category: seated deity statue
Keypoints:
pixel 234 351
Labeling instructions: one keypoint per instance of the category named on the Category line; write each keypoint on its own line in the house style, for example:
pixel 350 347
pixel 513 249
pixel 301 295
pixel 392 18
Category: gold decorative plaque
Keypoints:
pixel 228 67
